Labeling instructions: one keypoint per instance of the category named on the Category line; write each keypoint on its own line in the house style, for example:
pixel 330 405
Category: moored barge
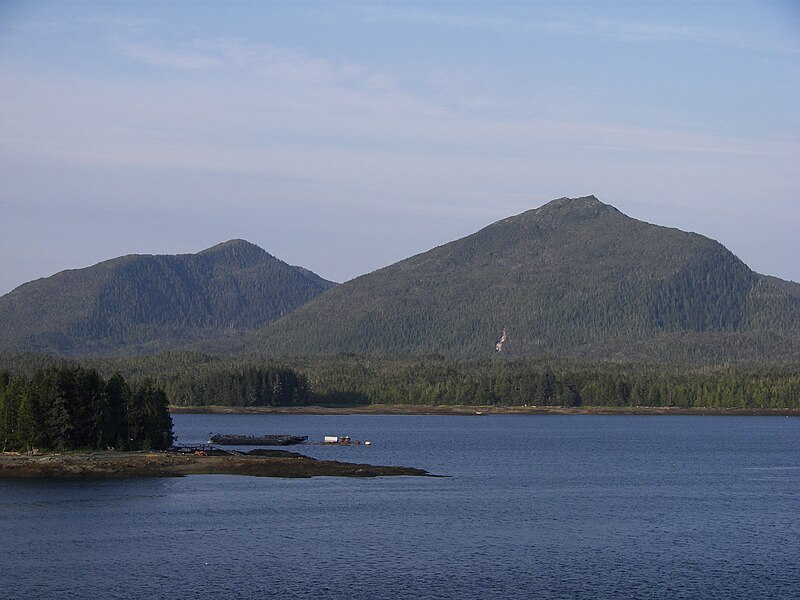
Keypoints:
pixel 257 440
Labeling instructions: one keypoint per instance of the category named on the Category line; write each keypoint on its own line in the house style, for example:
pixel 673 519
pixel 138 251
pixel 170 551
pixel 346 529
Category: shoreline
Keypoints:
pixel 409 409
pixel 126 465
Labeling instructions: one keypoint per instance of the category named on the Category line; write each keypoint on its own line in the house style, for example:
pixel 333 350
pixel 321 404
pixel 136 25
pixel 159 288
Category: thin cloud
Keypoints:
pixel 168 57
pixel 640 31
pixel 375 14
pixel 118 21
pixel 483 22
pixel 289 92
pixel 280 95
pixel 264 62
pixel 315 131
pixel 609 29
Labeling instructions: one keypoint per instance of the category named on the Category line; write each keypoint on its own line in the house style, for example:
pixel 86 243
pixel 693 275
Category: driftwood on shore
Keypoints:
pixel 115 465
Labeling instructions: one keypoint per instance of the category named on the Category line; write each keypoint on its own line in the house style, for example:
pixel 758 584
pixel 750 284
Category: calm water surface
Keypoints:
pixel 534 507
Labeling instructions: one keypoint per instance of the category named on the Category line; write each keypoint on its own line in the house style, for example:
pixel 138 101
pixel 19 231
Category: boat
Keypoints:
pixel 257 440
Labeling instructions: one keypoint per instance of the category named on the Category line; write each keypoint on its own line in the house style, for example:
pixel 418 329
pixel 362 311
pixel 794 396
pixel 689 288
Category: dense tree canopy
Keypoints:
pixel 244 386
pixel 144 303
pixel 70 408
pixel 195 379
pixel 432 381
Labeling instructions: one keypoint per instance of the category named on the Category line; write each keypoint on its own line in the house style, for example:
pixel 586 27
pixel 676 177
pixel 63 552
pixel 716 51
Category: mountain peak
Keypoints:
pixel 556 213
pixel 582 204
pixel 237 250
pixel 581 201
pixel 573 210
pixel 236 244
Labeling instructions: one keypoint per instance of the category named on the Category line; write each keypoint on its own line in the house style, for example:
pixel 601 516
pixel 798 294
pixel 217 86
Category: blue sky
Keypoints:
pixel 345 136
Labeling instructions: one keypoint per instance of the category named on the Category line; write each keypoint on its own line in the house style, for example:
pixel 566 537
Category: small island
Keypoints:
pixel 70 423
pixel 118 465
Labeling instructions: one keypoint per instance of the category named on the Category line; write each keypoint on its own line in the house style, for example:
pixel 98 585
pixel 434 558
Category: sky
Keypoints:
pixel 345 136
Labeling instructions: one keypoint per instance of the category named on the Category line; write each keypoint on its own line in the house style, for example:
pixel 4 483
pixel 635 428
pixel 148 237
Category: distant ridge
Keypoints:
pixel 575 277
pixel 145 303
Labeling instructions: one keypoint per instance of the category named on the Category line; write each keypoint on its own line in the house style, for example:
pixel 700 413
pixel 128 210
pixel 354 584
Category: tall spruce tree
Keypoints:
pixel 70 408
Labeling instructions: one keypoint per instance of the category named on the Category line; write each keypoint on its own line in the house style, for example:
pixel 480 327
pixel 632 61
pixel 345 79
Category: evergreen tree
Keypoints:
pixel 117 393
pixel 9 409
pixel 69 408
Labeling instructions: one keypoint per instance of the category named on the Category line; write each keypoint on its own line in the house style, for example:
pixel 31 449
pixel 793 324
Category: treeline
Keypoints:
pixel 246 386
pixel 71 408
pixel 518 383
pixel 196 379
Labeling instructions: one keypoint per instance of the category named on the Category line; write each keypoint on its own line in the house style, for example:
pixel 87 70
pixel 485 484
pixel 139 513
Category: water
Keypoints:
pixel 534 507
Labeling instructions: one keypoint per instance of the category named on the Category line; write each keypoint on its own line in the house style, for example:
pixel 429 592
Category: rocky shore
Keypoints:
pixel 115 465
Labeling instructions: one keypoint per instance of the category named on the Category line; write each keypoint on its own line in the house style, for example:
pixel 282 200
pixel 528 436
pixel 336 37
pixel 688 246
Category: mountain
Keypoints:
pixel 574 277
pixel 144 303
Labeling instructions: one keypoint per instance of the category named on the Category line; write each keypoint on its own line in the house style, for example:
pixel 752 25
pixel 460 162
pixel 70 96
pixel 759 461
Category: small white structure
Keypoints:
pixel 341 440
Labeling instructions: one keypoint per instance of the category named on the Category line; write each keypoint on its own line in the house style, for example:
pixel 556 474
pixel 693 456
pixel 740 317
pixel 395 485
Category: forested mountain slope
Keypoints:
pixel 574 277
pixel 143 303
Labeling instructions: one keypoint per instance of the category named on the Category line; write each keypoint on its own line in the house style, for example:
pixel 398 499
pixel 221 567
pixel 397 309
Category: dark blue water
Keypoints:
pixel 535 507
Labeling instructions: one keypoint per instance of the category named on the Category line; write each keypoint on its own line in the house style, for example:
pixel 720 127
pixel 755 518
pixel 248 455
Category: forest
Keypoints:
pixel 197 379
pixel 75 408
pixel 436 381
pixel 248 385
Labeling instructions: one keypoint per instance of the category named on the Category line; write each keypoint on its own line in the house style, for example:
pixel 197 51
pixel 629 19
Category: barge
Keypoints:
pixel 257 440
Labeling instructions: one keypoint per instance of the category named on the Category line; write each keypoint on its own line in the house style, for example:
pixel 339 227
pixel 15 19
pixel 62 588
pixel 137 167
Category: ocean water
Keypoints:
pixel 531 507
